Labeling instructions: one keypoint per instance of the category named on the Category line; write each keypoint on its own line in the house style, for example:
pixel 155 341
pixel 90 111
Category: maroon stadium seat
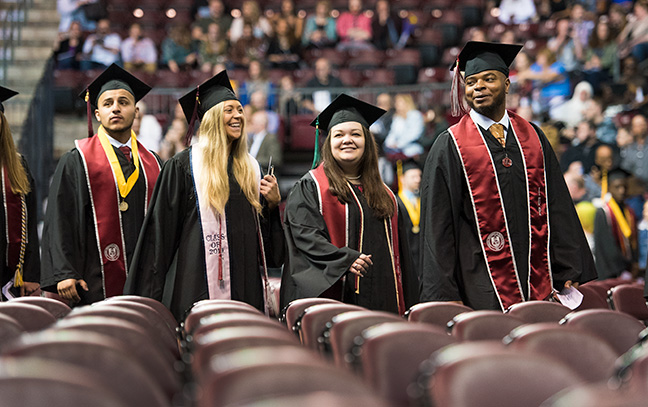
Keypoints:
pixel 31 317
pixel 437 313
pixel 592 299
pixel 483 325
pixel 240 319
pixel 10 330
pixel 587 354
pixel 597 395
pixel 57 308
pixel 618 329
pixel 203 310
pixel 629 298
pixel 392 352
pixel 302 135
pixel 155 304
pixel 293 311
pixel 538 311
pixel 314 319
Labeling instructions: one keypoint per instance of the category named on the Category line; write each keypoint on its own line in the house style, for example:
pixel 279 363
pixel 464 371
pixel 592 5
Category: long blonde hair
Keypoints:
pixel 215 181
pixel 10 159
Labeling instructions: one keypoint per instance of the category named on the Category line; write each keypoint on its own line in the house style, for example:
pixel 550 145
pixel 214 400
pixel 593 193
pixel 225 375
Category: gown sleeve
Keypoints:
pixel 608 255
pixel 64 247
pixel 31 267
pixel 314 264
pixel 161 232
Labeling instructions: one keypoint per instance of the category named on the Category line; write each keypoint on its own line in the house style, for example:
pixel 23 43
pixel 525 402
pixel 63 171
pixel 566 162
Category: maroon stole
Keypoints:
pixel 104 196
pixel 336 217
pixel 13 222
pixel 492 226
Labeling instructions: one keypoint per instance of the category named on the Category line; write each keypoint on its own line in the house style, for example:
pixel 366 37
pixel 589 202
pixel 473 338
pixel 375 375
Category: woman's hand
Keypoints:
pixel 270 191
pixel 360 267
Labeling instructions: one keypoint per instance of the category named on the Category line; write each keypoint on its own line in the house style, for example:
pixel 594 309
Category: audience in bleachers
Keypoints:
pixel 248 48
pixel 284 47
pixel 294 20
pixel 323 78
pixel 354 28
pixel 250 14
pixel 407 126
pixel 216 15
pixel 179 49
pixel 320 29
pixel 138 53
pixel 213 49
pixel 69 47
pixel 101 49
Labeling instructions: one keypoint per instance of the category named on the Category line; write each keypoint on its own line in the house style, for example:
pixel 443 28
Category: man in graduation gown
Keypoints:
pixel 98 197
pixel 19 248
pixel 615 230
pixel 187 252
pixel 409 202
pixel 498 226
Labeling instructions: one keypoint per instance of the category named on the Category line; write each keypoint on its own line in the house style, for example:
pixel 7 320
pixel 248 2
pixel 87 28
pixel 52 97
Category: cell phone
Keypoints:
pixel 270 167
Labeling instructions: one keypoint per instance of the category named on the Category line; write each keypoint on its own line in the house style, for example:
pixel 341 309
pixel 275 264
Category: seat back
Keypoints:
pixel 629 298
pixel 314 319
pixel 592 299
pixel 10 330
pixel 538 311
pixel 437 313
pixel 483 325
pixel 293 311
pixel 164 312
pixel 596 395
pixel 32 318
pixel 234 319
pixel 618 329
pixel 392 352
pixel 207 309
pixel 57 308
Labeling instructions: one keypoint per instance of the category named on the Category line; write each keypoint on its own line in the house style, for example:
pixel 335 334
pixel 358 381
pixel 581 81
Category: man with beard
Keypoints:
pixel 498 226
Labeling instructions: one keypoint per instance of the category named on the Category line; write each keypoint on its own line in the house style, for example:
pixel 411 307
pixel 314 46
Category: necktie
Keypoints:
pixel 127 151
pixel 497 130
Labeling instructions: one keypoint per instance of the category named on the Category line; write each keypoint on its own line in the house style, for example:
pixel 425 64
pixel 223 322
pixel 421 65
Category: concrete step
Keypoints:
pixel 27 74
pixel 29 55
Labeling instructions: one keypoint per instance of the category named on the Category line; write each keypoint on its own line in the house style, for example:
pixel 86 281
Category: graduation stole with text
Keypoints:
pixel 15 231
pixel 484 189
pixel 336 217
pixel 104 189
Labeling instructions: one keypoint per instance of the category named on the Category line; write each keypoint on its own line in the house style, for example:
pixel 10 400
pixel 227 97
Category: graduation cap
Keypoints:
pixel 410 165
pixel 5 94
pixel 112 78
pixel 476 57
pixel 344 109
pixel 617 173
pixel 208 94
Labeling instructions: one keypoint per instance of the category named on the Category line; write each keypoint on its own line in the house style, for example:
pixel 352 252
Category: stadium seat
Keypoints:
pixel 437 313
pixel 629 298
pixel 391 353
pixel 302 135
pixel 451 25
pixel 242 319
pixel 157 305
pixel 32 318
pixel 378 77
pixel 483 325
pixel 348 76
pixel 502 380
pixel 361 60
pixel 117 368
pixel 596 395
pixel 294 310
pixel 471 12
pixel 587 354
pixel 200 311
pixel 433 75
pixel 10 329
pixel 314 319
pixel 592 298
pixel 57 308
pixel 343 329
pixel 319 399
pixel 538 311
pixel 618 329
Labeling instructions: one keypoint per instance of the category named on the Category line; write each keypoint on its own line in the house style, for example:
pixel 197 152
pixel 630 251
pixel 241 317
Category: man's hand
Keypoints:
pixel 28 288
pixel 360 267
pixel 67 289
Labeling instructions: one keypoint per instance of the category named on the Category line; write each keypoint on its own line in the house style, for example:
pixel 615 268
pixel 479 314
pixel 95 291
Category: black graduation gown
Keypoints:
pixel 314 264
pixel 610 261
pixel 453 265
pixel 31 266
pixel 413 239
pixel 169 262
pixel 69 236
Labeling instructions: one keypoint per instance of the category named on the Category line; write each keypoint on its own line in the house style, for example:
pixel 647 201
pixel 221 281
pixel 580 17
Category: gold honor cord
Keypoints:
pixel 124 186
pixel 621 218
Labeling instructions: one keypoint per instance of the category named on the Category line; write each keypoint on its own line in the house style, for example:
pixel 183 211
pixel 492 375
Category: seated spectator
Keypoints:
pixel 138 52
pixel 250 14
pixel 606 130
pixel 264 145
pixel 435 123
pixel 635 155
pixel 634 37
pixel 320 30
pixel 354 28
pixel 179 49
pixel 283 49
pixel 75 10
pixel 259 103
pixel 247 48
pixel 583 147
pixel 615 231
pixel 600 61
pixel 218 16
pixel 406 129
pixel 566 46
pixel 148 129
pixel 213 50
pixel 618 18
pixel 174 139
pixel 290 101
pixel 581 23
pixel 386 26
pixel 478 34
pixel 289 14
pixel 380 128
pixel 508 37
pixel 101 49
pixel 518 77
pixel 69 47
pixel 551 77
pixel 573 111
pixel 632 78
pixel 257 81
pixel 322 80
pixel 517 11
pixel 596 181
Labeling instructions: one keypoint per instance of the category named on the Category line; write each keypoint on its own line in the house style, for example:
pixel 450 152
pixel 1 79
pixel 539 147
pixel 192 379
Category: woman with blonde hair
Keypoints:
pixel 344 232
pixel 19 253
pixel 213 225
pixel 407 128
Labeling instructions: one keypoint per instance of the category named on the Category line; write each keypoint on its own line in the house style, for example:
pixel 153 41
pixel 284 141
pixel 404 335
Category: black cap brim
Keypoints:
pixel 213 91
pixel 5 94
pixel 479 56
pixel 347 109
pixel 618 173
pixel 115 77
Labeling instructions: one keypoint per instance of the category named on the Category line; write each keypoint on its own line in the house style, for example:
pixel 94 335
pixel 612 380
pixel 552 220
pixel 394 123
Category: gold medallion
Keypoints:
pixel 123 206
pixel 416 229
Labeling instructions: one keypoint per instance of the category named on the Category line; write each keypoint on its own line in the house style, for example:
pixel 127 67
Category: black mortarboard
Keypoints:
pixel 344 109
pixel 112 78
pixel 617 173
pixel 208 94
pixel 5 94
pixel 410 165
pixel 476 57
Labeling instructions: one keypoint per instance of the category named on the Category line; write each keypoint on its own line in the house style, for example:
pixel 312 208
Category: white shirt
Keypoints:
pixel 257 140
pixel 117 143
pixel 486 122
